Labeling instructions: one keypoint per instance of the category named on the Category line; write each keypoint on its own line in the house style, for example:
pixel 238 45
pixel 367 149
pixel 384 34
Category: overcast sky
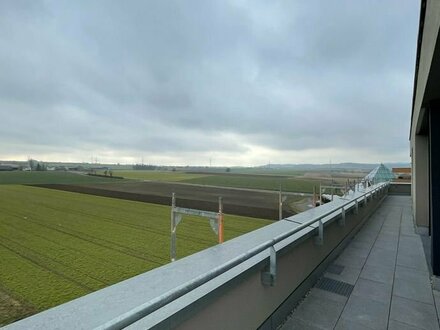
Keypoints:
pixel 183 82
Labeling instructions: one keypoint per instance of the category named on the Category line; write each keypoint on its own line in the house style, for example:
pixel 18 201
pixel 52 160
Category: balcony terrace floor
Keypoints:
pixel 380 281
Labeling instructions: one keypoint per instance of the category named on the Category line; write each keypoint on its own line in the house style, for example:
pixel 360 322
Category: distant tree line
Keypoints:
pixel 144 167
pixel 35 165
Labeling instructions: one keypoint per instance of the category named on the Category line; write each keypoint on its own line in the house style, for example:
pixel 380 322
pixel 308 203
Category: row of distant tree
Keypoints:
pixel 145 167
pixel 165 168
pixel 36 165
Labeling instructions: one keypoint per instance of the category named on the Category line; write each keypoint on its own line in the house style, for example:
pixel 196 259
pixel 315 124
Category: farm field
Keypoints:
pixel 60 177
pixel 290 180
pixel 252 203
pixel 167 176
pixel 56 245
pixel 288 183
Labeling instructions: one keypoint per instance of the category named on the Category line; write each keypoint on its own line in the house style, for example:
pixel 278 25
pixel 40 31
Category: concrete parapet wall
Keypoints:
pixel 401 188
pixel 247 304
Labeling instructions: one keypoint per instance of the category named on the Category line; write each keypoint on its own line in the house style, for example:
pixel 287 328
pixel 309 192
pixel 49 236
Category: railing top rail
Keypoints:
pixel 152 305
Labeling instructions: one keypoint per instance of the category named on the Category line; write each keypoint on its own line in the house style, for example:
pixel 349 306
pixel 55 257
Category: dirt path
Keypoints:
pixel 12 309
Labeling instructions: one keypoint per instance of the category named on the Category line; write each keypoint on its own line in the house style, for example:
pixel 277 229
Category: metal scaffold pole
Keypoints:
pixel 173 229
pixel 220 220
pixel 314 196
pixel 320 194
pixel 280 206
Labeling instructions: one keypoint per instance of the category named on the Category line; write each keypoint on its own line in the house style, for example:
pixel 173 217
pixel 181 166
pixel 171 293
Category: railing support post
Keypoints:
pixel 268 278
pixel 342 220
pixel 319 240
pixel 356 206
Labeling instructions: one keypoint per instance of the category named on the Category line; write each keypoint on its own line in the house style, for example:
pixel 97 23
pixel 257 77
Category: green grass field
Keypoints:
pixel 267 171
pixel 266 182
pixel 20 177
pixel 56 246
pixel 257 182
pixel 158 175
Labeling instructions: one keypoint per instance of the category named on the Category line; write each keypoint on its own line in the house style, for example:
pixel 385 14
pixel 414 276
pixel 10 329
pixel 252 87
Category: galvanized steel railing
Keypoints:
pixel 153 305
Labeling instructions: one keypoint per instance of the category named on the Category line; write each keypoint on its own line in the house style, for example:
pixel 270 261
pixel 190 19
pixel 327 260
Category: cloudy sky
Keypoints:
pixel 182 82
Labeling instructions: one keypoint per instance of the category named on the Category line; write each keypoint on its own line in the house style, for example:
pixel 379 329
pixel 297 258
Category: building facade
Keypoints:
pixel 424 137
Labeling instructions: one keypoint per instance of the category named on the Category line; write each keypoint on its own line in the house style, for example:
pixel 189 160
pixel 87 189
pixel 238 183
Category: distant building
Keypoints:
pixel 402 172
pixel 9 167
pixel 379 174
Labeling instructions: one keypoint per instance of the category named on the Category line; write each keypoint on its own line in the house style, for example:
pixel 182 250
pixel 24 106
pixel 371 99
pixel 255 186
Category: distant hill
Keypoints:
pixel 340 166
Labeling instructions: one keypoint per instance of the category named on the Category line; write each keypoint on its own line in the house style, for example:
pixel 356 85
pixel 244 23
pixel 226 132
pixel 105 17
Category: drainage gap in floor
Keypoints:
pixel 338 287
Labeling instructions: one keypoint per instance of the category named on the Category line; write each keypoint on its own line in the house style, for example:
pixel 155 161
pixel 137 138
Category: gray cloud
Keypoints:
pixel 206 77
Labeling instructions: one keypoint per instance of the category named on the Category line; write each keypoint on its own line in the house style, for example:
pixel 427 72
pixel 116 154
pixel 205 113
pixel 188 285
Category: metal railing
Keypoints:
pixel 153 305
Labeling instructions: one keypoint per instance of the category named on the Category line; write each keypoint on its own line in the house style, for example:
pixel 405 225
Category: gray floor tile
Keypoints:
pixel 382 259
pixel 350 261
pixel 406 234
pixel 349 275
pixel 411 284
pixel 391 227
pixel 412 250
pixel 363 242
pixel 389 235
pixel 326 295
pixel 369 237
pixel 396 325
pixel 377 273
pixel 386 244
pixel 350 325
pixel 361 245
pixel 413 290
pixel 392 242
pixel 355 252
pixel 373 227
pixel 374 290
pixel 385 254
pixel 408 230
pixel 414 313
pixel 411 245
pixel 411 261
pixel 319 312
pixel 393 217
pixel 411 273
pixel 379 251
pixel 366 312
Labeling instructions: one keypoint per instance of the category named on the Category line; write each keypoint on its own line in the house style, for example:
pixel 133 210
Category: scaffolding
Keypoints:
pixel 215 221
